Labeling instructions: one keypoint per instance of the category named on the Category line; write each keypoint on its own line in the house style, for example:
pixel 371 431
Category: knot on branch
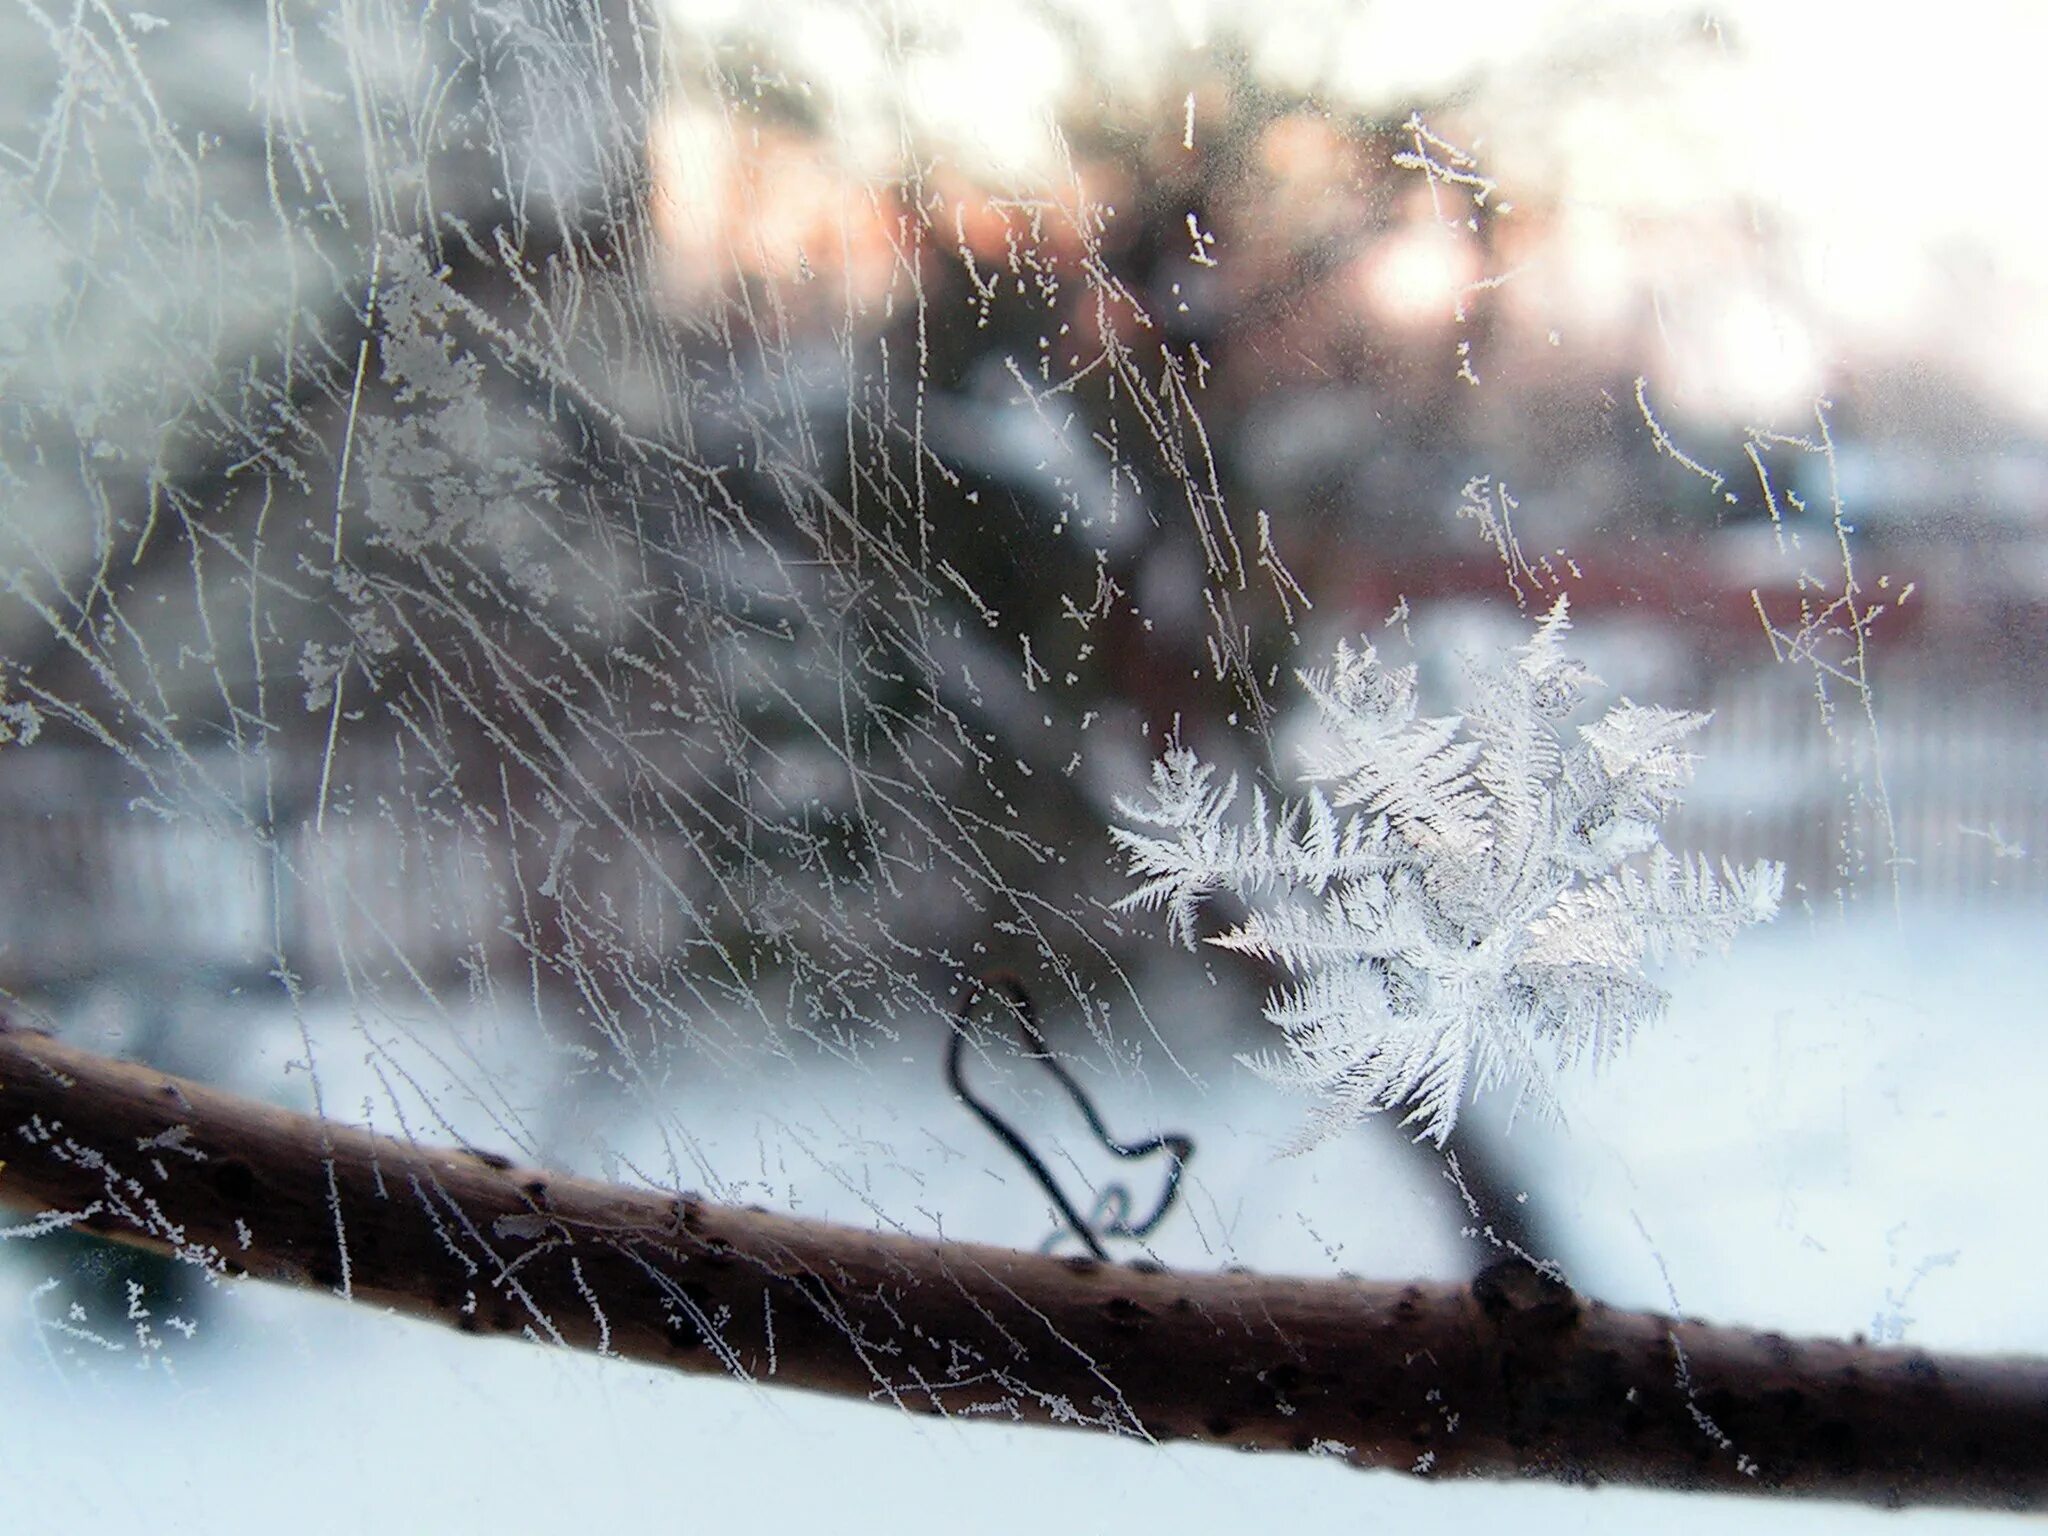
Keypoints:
pixel 1530 1306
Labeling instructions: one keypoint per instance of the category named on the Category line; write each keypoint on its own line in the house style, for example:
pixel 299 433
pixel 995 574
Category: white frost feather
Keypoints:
pixel 1463 903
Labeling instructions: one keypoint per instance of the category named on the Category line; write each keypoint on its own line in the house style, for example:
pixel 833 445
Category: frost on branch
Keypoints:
pixel 1463 903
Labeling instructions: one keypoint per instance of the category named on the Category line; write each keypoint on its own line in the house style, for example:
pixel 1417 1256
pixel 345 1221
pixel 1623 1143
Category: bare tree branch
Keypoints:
pixel 1513 1376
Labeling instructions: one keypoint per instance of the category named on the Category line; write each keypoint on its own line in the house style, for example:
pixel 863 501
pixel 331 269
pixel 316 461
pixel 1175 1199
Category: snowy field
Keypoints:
pixel 1837 1131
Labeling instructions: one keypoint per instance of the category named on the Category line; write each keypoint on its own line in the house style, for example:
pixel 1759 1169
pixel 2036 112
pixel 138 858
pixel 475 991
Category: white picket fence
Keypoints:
pixel 105 874
pixel 1944 797
pixel 1933 791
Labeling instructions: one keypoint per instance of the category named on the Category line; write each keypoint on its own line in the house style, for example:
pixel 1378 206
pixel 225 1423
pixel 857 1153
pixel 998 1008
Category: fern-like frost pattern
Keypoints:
pixel 1463 903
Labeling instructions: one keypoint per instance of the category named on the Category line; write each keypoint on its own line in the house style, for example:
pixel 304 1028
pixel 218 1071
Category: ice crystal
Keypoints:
pixel 1461 903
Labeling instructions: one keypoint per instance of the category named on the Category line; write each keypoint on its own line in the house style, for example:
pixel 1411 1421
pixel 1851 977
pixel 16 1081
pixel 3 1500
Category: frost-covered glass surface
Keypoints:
pixel 575 574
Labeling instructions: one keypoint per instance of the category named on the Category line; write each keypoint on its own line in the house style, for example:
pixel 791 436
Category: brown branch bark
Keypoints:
pixel 1513 1376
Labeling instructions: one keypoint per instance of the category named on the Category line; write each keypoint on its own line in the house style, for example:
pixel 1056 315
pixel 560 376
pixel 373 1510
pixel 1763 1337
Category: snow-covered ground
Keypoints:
pixel 1838 1130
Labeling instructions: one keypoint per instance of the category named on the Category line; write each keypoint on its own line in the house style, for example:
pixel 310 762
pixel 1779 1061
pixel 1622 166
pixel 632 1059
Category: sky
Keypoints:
pixel 1797 195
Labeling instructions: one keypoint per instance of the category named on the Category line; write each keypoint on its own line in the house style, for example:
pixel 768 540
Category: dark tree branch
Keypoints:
pixel 1513 1376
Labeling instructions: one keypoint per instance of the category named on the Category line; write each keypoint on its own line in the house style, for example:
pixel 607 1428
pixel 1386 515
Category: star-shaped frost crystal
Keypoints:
pixel 1463 903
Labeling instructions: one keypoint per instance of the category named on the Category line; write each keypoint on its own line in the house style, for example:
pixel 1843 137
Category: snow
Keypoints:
pixel 1836 1131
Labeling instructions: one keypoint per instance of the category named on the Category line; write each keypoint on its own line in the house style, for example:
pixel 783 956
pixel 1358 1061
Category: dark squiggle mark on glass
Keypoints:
pixel 1112 1214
